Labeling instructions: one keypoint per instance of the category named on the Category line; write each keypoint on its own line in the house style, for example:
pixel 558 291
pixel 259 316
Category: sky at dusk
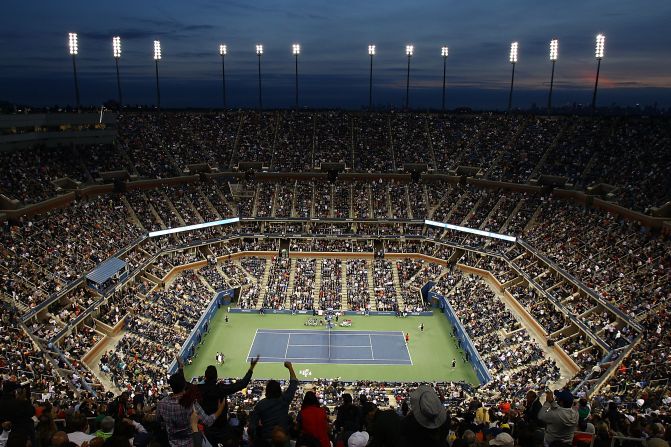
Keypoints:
pixel 334 35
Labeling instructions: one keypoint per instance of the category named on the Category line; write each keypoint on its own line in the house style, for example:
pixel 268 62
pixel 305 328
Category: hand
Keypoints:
pixel 221 404
pixel 549 396
pixel 193 420
pixel 288 365
pixel 254 362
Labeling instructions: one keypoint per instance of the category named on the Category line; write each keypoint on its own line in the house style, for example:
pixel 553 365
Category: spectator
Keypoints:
pixel 560 417
pixel 212 393
pixel 358 439
pixel 273 410
pixel 427 424
pixel 466 440
pixel 383 426
pixel 106 428
pixel 531 408
pixel 175 411
pixel 77 427
pixel 346 417
pixel 656 435
pixel 15 408
pixel 313 421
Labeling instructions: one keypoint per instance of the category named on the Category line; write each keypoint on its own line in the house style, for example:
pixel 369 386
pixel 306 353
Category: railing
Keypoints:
pixel 598 298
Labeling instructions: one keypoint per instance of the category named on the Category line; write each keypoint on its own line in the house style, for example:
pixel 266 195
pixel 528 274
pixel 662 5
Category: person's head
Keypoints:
pixel 76 422
pixel 531 396
pixel 369 409
pixel 96 442
pixel 427 408
pixel 503 439
pixel 273 389
pixel 310 399
pixel 469 437
pixel 405 409
pixel 125 396
pixel 211 373
pixel 176 381
pixel 107 424
pixel 347 399
pixel 59 439
pixel 358 439
pixel 279 436
pixel 564 398
pixel 655 430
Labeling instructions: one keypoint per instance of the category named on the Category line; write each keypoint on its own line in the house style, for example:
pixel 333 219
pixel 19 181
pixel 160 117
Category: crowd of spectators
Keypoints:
pixel 621 261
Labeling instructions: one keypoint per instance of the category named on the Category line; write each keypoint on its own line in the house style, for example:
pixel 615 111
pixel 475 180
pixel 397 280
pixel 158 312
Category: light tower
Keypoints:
pixel 296 50
pixel 371 53
pixel 598 53
pixel 513 61
pixel 74 50
pixel 443 53
pixel 157 57
pixel 409 50
pixel 259 52
pixel 222 52
pixel 554 53
pixel 116 52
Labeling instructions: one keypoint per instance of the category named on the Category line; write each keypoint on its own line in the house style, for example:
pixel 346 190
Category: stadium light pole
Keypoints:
pixel 296 50
pixel 443 53
pixel 157 57
pixel 513 60
pixel 116 51
pixel 409 50
pixel 74 50
pixel 554 52
pixel 371 53
pixel 222 52
pixel 259 52
pixel 598 53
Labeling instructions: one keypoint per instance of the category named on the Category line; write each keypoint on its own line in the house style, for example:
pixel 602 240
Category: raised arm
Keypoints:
pixel 229 388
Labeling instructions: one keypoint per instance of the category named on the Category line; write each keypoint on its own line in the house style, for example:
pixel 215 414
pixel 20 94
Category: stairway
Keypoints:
pixel 318 284
pixel 263 286
pixel 371 285
pixel 292 279
pixel 343 289
pixel 397 285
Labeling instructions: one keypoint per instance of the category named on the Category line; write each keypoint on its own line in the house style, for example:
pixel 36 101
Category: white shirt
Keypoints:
pixel 79 437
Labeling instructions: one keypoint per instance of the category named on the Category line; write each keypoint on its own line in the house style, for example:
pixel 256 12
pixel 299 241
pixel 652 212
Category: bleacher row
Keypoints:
pixel 631 154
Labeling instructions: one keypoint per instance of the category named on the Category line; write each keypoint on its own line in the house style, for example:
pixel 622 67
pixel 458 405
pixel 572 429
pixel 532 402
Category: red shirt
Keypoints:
pixel 314 422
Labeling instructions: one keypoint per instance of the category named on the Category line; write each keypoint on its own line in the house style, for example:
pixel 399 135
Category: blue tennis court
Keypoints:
pixel 323 346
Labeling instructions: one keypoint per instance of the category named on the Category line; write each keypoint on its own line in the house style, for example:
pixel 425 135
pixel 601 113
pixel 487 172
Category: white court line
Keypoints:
pixel 339 359
pixel 370 340
pixel 334 346
pixel 286 351
pixel 324 331
pixel 249 354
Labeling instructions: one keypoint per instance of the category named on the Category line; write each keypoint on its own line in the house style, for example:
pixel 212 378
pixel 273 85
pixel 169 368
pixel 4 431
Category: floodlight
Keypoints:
pixel 72 41
pixel 600 45
pixel 116 46
pixel 443 51
pixel 259 49
pixel 513 52
pixel 409 49
pixel 157 50
pixel 296 49
pixel 222 50
pixel 371 50
pixel 554 49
